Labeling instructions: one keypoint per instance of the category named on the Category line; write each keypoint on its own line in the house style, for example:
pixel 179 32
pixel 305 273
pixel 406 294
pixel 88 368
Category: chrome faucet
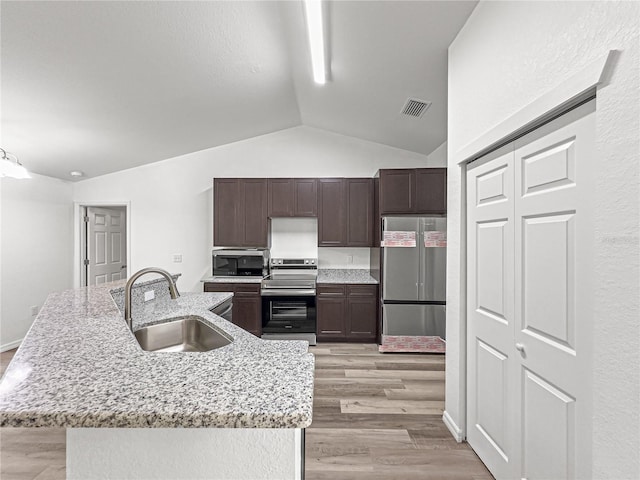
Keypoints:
pixel 129 286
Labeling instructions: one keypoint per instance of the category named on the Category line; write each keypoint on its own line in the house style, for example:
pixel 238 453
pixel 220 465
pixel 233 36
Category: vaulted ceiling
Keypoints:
pixel 101 86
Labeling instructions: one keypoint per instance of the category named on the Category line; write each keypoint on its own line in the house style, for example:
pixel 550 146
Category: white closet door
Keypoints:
pixel 553 251
pixel 490 319
pixel 530 250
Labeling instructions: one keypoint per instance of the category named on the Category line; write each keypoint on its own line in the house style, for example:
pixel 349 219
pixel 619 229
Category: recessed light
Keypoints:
pixel 76 173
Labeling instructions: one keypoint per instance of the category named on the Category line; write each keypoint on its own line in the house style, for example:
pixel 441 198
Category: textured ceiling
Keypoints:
pixel 105 86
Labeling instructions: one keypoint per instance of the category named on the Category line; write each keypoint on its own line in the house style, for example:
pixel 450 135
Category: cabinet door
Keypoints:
pixel 247 307
pixel 227 208
pixel 247 310
pixel 397 191
pixel 280 192
pixel 305 202
pixel 431 190
pixel 331 212
pixel 330 321
pixel 359 192
pixel 362 316
pixel 254 216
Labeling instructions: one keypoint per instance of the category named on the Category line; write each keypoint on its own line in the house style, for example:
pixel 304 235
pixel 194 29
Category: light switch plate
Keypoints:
pixel 177 258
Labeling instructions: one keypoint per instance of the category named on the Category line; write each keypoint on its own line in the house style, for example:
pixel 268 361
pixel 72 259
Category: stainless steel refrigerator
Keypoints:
pixel 414 277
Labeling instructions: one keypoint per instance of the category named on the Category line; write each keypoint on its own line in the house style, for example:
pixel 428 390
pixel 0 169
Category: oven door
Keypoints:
pixel 289 314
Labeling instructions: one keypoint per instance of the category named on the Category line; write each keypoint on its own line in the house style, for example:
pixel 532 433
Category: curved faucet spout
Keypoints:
pixel 173 290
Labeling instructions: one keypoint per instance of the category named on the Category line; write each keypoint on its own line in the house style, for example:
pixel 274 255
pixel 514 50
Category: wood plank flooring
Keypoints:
pixel 376 417
pixel 379 417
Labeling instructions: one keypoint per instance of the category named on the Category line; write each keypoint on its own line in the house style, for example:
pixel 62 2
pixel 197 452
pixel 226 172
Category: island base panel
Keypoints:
pixel 194 453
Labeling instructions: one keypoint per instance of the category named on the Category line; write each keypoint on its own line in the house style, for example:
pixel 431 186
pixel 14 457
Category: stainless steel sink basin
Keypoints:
pixel 181 334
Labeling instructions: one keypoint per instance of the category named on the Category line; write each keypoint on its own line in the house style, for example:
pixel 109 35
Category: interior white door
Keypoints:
pixel 491 373
pixel 106 245
pixel 530 250
pixel 554 252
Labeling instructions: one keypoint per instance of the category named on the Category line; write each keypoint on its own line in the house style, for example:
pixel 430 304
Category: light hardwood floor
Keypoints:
pixel 379 417
pixel 375 417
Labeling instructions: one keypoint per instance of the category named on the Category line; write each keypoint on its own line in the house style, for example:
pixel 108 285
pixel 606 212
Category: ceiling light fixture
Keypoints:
pixel 315 31
pixel 11 167
pixel 76 173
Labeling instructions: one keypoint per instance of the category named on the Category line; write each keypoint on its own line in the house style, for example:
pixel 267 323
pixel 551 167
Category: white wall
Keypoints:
pixel 37 244
pixel 172 204
pixel 507 55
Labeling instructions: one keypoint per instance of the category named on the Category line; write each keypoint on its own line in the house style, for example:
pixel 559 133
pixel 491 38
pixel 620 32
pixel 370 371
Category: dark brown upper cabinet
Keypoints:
pixel 331 212
pixel 226 206
pixel 360 218
pixel 292 197
pixel 431 190
pixel 413 190
pixel 397 190
pixel 240 212
pixel 345 212
pixel 305 197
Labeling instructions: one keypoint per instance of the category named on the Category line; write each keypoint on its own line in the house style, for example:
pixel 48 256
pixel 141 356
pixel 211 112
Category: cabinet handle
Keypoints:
pixel 520 347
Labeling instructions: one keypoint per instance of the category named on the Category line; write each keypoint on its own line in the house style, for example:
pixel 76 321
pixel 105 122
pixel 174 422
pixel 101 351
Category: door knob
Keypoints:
pixel 520 347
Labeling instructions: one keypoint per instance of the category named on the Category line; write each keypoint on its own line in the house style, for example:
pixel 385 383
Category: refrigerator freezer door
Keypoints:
pixel 400 265
pixel 433 262
pixel 414 320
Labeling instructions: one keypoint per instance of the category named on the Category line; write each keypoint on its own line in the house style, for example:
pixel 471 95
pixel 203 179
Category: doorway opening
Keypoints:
pixel 103 249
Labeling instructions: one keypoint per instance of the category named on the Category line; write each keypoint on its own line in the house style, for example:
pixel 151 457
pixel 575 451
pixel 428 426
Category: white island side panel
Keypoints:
pixel 174 453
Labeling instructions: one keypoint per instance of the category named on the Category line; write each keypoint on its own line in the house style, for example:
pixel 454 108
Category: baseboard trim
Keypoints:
pixel 453 428
pixel 10 346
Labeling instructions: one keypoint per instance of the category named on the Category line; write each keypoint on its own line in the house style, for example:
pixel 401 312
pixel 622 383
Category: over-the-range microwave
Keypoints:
pixel 252 262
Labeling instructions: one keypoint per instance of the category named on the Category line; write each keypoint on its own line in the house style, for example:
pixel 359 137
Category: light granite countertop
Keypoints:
pixel 341 275
pixel 80 366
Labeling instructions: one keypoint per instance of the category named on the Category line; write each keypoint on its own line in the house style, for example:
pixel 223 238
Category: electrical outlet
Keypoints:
pixel 177 258
pixel 34 310
pixel 349 258
pixel 150 295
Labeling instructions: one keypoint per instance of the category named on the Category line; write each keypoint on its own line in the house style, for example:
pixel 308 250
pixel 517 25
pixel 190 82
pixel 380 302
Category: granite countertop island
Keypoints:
pixel 80 366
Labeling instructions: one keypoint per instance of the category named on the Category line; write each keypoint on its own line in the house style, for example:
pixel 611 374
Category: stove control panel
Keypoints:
pixel 294 262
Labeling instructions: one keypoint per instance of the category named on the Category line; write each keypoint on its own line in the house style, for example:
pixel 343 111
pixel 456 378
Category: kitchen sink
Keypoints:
pixel 181 334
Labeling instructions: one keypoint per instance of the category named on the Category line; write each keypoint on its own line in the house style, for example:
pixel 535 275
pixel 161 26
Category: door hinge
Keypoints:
pixel 86 219
pixel 86 261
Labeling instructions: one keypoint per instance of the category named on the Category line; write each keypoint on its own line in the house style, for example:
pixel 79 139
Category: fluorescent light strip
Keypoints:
pixel 313 11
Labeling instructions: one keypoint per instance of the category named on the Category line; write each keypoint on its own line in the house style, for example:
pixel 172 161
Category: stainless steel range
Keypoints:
pixel 289 300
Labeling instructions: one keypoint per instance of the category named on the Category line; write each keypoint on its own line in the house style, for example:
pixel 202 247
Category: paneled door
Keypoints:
pixel 530 250
pixel 491 375
pixel 106 245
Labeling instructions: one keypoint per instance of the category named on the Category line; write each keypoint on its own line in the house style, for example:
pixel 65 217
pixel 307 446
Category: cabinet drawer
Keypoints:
pixel 332 290
pixel 218 287
pixel 247 288
pixel 362 290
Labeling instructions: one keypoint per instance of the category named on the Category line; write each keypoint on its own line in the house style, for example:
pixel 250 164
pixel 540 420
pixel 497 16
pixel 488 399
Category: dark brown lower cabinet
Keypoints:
pixel 247 304
pixel 346 312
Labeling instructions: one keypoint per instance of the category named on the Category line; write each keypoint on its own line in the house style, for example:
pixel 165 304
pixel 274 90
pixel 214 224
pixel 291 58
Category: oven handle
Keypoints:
pixel 287 293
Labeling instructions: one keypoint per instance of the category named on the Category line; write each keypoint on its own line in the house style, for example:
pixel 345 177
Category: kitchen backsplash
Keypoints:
pixel 343 257
pixel 294 237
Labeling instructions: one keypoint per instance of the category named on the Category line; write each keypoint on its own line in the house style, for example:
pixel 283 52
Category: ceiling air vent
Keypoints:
pixel 415 107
